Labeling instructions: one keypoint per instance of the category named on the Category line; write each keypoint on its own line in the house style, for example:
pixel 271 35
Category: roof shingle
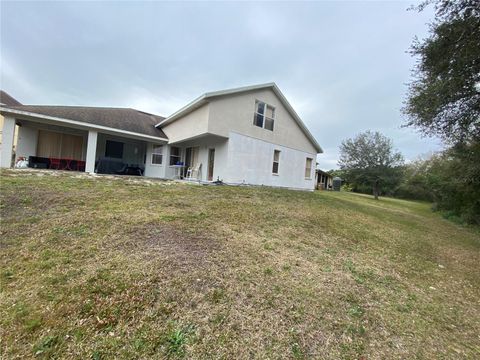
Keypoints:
pixel 118 118
pixel 6 99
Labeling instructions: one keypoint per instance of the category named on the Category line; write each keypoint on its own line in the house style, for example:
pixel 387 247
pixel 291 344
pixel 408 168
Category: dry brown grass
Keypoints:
pixel 120 268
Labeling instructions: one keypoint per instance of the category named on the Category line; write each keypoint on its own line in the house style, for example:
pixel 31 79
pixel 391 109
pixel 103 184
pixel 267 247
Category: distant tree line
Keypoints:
pixel 444 101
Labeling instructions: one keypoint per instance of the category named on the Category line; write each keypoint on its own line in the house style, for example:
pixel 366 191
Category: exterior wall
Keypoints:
pixel 1 134
pixel 191 125
pixel 235 113
pixel 204 145
pixel 155 170
pixel 250 161
pixel 8 132
pixel 27 142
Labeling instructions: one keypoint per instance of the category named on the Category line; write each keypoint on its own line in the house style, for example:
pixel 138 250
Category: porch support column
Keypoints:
pixel 91 151
pixel 8 134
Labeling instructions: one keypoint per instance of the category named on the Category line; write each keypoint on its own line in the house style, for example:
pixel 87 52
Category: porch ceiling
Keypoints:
pixel 204 138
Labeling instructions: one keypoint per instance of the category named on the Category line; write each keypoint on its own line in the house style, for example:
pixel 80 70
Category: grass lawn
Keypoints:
pixel 120 268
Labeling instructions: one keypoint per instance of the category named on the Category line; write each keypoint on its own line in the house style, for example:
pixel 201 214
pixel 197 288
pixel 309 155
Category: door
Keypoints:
pixel 211 161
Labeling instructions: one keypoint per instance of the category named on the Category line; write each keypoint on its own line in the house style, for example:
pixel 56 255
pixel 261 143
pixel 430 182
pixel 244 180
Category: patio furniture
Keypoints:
pixel 178 171
pixel 81 165
pixel 37 162
pixel 55 163
pixel 193 173
pixel 108 165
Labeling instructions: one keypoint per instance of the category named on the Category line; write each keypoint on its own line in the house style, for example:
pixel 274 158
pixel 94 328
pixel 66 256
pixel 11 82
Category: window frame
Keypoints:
pixel 156 153
pixel 178 157
pixel 277 162
pixel 309 177
pixel 264 117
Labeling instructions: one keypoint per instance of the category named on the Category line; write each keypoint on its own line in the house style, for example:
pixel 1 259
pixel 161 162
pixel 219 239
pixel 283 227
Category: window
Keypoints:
pixel 174 155
pixel 264 115
pixel 157 154
pixel 276 159
pixel 308 168
pixel 114 149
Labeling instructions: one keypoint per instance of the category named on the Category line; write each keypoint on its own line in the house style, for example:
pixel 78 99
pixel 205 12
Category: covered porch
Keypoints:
pixel 200 158
pixel 59 144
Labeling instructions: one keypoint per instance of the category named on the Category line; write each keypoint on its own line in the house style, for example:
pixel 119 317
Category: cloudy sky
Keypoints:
pixel 342 65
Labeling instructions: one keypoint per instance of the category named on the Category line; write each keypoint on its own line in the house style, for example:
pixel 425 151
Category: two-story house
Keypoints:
pixel 248 135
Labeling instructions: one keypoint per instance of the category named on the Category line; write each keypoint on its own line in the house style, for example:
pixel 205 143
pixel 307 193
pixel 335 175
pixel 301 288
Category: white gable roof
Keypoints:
pixel 205 98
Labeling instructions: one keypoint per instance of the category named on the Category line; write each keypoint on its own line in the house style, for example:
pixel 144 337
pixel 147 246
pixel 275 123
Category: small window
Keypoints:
pixel 276 160
pixel 308 168
pixel 114 149
pixel 264 115
pixel 157 155
pixel 174 155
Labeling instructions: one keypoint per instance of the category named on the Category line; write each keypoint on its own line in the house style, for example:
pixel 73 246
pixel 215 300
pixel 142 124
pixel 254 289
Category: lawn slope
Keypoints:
pixel 128 268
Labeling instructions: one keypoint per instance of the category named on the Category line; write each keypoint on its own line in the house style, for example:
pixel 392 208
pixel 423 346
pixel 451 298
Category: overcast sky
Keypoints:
pixel 342 65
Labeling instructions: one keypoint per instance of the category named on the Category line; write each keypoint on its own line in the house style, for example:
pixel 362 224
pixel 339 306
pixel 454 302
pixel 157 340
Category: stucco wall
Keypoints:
pixel 235 113
pixel 155 170
pixel 204 145
pixel 192 124
pixel 26 142
pixel 250 161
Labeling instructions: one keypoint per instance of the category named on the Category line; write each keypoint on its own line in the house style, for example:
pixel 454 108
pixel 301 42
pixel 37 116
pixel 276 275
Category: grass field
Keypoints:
pixel 118 268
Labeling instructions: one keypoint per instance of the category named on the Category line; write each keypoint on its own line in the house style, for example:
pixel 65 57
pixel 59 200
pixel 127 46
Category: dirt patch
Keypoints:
pixel 174 247
pixel 29 203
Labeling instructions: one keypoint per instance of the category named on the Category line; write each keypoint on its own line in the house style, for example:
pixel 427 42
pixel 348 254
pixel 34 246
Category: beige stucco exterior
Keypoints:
pixel 191 125
pixel 1 133
pixel 235 113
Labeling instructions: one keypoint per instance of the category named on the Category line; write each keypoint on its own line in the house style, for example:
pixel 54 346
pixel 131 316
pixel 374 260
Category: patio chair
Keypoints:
pixel 55 163
pixel 193 173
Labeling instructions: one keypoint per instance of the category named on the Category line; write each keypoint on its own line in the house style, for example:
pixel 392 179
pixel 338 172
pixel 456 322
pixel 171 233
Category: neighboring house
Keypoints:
pixel 247 135
pixel 6 100
pixel 324 180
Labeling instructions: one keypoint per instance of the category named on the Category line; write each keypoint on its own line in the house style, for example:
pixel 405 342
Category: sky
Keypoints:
pixel 343 66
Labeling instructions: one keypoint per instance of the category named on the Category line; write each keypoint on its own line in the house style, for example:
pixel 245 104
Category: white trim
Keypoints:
pixel 81 124
pixel 205 98
pixel 154 153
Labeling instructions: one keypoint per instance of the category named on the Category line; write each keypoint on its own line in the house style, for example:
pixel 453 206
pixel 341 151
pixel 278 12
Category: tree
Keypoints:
pixel 444 96
pixel 370 160
pixel 444 100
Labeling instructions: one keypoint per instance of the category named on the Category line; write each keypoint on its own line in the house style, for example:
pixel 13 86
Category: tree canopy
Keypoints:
pixel 444 96
pixel 370 160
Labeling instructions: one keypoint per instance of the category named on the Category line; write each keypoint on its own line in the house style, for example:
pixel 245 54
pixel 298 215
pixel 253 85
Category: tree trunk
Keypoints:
pixel 375 189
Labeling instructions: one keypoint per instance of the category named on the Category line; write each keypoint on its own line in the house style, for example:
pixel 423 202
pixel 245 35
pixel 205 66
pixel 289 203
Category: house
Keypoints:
pixel 324 180
pixel 6 100
pixel 248 135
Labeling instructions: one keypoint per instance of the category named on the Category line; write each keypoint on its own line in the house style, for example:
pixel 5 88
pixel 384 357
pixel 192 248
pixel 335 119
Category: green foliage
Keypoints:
pixel 444 101
pixel 369 162
pixel 414 183
pixel 450 179
pixel 454 177
pixel 177 340
pixel 444 96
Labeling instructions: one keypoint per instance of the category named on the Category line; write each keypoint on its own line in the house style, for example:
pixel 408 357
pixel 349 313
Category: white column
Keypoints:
pixel 8 134
pixel 91 151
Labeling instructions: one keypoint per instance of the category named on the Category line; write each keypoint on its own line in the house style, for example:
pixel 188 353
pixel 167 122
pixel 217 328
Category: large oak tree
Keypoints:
pixel 369 159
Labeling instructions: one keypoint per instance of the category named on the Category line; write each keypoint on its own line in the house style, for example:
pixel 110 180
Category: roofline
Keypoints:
pixel 78 123
pixel 203 99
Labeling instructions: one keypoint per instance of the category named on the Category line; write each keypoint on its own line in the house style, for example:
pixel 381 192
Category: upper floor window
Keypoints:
pixel 264 116
pixel 157 155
